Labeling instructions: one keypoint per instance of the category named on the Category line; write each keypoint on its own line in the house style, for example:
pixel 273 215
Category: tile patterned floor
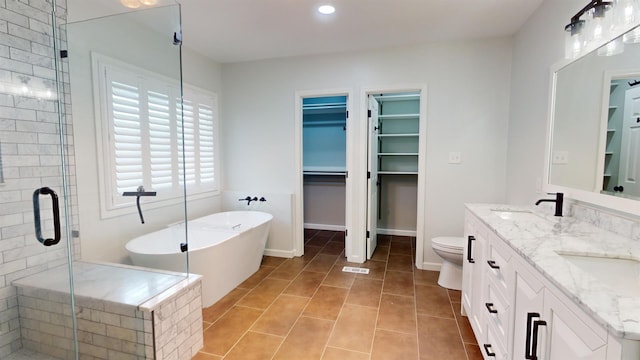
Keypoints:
pixel 307 308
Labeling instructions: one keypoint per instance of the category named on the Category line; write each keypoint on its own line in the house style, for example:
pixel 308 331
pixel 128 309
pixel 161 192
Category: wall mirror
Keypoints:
pixel 594 133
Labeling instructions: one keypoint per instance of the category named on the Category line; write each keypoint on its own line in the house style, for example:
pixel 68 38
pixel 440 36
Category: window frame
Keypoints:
pixel 112 204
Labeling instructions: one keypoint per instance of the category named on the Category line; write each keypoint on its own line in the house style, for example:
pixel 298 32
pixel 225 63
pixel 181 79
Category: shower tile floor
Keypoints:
pixel 307 308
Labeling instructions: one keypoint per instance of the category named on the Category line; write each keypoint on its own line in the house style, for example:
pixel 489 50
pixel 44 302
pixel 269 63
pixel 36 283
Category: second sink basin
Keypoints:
pixel 621 275
pixel 509 214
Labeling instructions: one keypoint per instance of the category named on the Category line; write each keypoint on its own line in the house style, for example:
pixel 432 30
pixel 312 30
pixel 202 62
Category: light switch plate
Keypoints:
pixel 560 157
pixel 455 157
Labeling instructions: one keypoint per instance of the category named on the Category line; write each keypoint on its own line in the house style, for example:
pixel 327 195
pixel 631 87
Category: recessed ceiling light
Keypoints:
pixel 326 9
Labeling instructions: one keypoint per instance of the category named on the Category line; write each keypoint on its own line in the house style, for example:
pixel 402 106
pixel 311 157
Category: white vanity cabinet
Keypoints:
pixel 472 277
pixel 546 327
pixel 516 313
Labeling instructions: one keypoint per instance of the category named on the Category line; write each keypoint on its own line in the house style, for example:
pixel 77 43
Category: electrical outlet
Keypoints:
pixel 455 157
pixel 560 157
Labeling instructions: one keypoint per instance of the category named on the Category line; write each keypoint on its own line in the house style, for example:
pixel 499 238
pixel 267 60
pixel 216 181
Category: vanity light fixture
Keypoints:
pixel 326 9
pixel 594 25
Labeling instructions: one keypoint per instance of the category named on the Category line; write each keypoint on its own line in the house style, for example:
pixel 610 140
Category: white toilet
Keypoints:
pixel 449 248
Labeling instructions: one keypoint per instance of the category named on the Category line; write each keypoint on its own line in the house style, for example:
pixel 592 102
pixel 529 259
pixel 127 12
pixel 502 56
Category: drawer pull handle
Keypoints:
pixel 489 307
pixel 469 240
pixel 487 350
pixel 492 264
pixel 531 344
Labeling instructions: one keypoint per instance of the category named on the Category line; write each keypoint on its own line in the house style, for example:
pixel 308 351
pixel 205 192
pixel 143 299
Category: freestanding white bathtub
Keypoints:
pixel 226 248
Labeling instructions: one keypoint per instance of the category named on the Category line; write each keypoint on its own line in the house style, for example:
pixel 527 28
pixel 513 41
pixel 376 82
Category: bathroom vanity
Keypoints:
pixel 537 286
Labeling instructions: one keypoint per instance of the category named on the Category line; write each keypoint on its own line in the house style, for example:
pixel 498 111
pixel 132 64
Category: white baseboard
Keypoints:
pixel 279 253
pixel 324 227
pixel 430 266
pixel 397 232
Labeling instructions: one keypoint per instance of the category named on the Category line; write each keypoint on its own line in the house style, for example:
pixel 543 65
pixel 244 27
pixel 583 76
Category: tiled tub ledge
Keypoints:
pixel 123 312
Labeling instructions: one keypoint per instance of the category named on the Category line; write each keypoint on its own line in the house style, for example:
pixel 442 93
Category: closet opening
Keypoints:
pixel 394 170
pixel 324 172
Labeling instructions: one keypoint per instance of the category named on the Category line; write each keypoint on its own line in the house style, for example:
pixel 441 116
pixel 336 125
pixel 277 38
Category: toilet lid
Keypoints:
pixel 451 242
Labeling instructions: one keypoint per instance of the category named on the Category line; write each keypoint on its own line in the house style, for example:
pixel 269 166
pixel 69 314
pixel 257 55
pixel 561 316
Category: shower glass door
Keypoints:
pixel 94 153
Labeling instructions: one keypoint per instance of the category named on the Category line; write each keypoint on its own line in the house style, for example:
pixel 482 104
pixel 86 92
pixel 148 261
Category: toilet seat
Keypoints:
pixel 448 243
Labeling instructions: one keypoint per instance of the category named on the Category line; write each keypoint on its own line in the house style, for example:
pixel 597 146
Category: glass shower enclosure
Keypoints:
pixel 91 156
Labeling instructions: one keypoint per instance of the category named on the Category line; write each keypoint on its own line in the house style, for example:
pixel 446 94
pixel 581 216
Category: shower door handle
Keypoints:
pixel 56 216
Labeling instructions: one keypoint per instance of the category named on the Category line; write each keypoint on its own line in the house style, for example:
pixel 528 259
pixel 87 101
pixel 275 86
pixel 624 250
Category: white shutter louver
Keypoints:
pixel 206 141
pixel 187 143
pixel 127 136
pixel 160 149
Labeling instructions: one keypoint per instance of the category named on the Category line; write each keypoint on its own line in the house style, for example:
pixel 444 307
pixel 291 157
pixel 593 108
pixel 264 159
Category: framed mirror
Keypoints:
pixel 593 149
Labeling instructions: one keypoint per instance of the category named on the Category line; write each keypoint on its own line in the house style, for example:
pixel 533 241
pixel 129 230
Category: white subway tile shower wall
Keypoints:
pixel 29 144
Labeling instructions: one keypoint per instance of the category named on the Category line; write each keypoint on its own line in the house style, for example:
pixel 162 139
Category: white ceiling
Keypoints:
pixel 244 30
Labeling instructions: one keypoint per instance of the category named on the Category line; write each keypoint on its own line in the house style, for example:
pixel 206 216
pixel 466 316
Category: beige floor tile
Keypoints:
pixel 322 263
pixel 341 354
pixel 455 295
pixel 439 339
pixel 306 340
pixel 365 292
pixel 400 246
pixel 255 346
pixel 326 303
pixel 305 284
pixel 355 328
pixel 376 270
pixel 400 263
pixel 257 277
pixel 279 318
pixel 423 277
pixel 398 283
pixel 433 301
pixel 463 324
pixel 389 345
pixel 339 278
pixel 397 313
pixel 221 336
pixel 205 356
pixel 264 294
pixel 272 261
pixel 289 270
pixel 473 352
pixel 333 248
pixel 381 253
pixel 215 311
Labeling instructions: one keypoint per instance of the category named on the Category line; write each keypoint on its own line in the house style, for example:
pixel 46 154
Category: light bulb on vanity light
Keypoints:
pixel 131 4
pixel 149 2
pixel 613 47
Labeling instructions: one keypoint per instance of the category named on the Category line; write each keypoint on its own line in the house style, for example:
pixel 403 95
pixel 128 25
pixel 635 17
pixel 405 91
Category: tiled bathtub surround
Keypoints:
pixel 122 313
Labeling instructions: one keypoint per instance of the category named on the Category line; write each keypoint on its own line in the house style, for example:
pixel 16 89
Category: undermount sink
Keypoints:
pixel 511 214
pixel 621 275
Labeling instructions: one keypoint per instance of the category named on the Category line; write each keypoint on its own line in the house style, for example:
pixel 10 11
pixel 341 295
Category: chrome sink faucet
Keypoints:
pixel 558 200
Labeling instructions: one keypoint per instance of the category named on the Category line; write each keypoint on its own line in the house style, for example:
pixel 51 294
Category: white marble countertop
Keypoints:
pixel 541 237
pixel 116 283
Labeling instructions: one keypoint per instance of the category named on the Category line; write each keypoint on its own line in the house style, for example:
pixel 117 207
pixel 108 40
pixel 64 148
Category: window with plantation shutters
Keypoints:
pixel 154 137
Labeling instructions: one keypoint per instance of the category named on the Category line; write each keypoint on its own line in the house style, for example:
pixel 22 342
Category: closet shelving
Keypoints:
pixel 398 137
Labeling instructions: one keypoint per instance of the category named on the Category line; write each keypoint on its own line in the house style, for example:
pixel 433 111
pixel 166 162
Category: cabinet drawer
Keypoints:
pixel 498 313
pixel 492 349
pixel 498 265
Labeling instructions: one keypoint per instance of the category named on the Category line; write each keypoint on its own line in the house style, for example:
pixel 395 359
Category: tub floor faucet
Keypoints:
pixel 558 201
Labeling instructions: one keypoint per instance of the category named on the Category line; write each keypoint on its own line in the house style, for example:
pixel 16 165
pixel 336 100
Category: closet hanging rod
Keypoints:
pixel 398 97
pixel 324 106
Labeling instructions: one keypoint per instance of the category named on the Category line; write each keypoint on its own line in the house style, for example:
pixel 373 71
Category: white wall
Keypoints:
pixel 104 239
pixel 537 46
pixel 468 97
